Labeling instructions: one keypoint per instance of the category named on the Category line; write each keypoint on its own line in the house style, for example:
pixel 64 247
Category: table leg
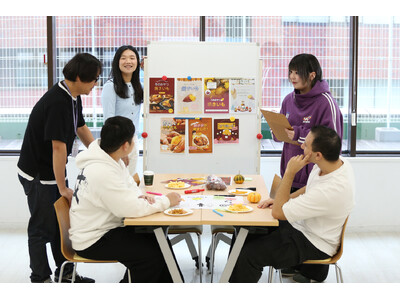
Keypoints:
pixel 167 253
pixel 237 247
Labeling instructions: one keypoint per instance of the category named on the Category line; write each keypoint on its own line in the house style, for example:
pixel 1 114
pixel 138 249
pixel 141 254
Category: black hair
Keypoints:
pixel 115 132
pixel 304 64
pixel 84 65
pixel 116 75
pixel 327 141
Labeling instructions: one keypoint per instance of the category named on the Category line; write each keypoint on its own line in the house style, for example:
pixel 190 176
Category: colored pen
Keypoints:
pixel 218 213
pixel 157 194
pixel 193 191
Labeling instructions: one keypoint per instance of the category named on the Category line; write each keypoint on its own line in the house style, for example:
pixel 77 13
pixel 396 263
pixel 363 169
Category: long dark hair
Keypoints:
pixel 116 75
pixel 305 64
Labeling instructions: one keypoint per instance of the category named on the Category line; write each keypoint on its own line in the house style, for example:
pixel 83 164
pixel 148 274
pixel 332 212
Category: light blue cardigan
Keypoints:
pixel 113 105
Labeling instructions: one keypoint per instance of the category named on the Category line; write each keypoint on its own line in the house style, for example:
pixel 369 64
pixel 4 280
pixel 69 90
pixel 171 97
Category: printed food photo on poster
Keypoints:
pixel 242 95
pixel 172 135
pixel 161 95
pixel 189 96
pixel 226 131
pixel 200 135
pixel 216 95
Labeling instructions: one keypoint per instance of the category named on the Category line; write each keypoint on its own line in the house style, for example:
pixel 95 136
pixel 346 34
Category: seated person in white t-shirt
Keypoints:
pixel 310 220
pixel 104 194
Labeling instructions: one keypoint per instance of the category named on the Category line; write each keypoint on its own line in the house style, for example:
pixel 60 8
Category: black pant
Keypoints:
pixel 42 228
pixel 137 249
pixel 280 247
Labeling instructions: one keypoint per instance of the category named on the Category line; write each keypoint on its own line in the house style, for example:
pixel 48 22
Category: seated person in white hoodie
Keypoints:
pixel 104 194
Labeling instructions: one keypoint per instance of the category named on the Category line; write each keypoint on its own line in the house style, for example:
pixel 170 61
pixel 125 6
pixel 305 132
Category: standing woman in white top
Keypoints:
pixel 123 93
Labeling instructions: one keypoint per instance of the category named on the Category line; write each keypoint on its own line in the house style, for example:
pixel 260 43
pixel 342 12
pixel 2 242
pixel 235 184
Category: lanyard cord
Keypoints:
pixel 74 111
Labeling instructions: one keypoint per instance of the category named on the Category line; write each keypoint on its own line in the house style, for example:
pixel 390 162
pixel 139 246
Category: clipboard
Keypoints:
pixel 278 122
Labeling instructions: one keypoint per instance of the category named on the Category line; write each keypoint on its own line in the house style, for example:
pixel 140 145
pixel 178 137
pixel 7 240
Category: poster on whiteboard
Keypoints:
pixel 162 94
pixel 242 92
pixel 172 135
pixel 200 135
pixel 189 95
pixel 226 131
pixel 216 95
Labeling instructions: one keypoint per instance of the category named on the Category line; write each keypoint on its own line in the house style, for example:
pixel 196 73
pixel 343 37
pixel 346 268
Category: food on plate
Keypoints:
pixel 177 211
pixel 176 184
pixel 237 192
pixel 238 207
pixel 200 140
pixel 254 197
pixel 238 178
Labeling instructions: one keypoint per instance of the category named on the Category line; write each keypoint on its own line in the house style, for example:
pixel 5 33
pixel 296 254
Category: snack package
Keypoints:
pixel 215 183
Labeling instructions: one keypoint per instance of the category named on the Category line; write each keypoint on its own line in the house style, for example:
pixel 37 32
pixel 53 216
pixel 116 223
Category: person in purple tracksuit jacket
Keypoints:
pixel 310 104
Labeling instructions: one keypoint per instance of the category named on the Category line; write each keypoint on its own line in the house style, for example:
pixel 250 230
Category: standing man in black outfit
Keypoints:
pixel 50 137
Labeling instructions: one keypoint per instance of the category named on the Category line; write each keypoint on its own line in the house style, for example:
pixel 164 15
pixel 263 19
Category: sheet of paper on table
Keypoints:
pixel 209 201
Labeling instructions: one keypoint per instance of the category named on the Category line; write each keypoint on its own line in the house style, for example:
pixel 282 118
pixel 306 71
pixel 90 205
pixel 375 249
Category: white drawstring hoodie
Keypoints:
pixel 104 194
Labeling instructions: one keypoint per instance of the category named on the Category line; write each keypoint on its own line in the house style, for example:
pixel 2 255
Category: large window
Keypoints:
pixel 281 38
pixel 23 68
pixel 378 101
pixel 102 36
pixel 23 74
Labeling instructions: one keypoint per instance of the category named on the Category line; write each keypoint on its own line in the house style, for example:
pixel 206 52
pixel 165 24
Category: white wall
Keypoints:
pixel 377 199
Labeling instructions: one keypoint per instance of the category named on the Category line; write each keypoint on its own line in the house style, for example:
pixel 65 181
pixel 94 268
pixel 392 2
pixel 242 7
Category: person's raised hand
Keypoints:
pixel 290 133
pixel 296 163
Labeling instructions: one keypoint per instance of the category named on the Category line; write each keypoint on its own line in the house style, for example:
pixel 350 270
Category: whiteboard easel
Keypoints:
pixel 199 60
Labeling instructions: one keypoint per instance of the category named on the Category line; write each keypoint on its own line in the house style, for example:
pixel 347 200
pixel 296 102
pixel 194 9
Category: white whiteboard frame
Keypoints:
pixel 200 60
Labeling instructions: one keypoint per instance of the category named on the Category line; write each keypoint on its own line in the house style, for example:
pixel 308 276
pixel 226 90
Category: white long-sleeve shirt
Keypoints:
pixel 104 195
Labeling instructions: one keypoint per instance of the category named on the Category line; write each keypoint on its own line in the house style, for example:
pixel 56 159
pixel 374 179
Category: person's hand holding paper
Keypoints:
pixel 280 126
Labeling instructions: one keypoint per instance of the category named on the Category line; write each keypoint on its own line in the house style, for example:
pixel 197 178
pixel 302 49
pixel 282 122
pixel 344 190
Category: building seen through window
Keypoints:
pixel 23 63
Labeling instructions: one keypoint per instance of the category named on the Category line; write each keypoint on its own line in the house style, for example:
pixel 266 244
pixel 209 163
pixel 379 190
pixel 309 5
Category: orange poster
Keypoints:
pixel 200 135
pixel 172 135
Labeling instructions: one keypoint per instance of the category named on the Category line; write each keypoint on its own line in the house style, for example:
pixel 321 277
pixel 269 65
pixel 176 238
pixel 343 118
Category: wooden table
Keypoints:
pixel 258 217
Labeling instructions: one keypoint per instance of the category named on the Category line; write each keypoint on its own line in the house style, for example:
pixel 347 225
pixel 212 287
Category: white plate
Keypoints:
pixel 172 188
pixel 240 194
pixel 188 212
pixel 234 211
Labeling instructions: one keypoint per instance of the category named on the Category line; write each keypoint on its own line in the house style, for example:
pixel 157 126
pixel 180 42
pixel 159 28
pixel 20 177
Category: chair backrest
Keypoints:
pixel 339 253
pixel 274 186
pixel 136 178
pixel 62 210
